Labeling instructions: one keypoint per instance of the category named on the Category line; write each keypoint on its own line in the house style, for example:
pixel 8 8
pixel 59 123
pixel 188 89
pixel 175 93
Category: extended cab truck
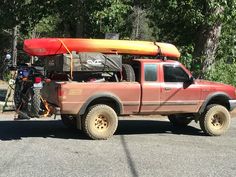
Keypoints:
pixel 160 87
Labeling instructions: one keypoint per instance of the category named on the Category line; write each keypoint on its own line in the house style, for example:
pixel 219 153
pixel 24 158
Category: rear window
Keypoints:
pixel 150 72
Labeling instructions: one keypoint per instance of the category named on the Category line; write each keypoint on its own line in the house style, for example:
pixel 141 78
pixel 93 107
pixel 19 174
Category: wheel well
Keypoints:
pixel 107 101
pixel 221 100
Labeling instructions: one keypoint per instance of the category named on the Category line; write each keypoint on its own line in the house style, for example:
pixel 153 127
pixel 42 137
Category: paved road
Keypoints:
pixel 147 147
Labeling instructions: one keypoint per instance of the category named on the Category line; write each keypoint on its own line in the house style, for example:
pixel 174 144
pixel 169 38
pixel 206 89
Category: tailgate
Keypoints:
pixel 49 92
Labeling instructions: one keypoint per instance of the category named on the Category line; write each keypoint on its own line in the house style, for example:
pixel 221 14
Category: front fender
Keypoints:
pixel 215 96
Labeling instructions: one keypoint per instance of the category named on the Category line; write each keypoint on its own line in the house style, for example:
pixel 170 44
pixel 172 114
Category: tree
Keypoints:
pixel 88 18
pixel 193 25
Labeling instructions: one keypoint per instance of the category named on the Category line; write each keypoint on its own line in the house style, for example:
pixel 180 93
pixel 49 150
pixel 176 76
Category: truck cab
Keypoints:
pixel 167 84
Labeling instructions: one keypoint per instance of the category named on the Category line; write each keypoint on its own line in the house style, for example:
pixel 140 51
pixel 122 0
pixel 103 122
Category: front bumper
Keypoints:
pixel 232 104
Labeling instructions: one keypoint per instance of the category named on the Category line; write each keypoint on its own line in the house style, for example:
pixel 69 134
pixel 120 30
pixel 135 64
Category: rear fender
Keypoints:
pixel 98 99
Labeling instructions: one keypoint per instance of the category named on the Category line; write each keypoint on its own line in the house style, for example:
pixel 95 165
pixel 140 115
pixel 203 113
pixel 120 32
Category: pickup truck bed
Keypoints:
pixel 68 95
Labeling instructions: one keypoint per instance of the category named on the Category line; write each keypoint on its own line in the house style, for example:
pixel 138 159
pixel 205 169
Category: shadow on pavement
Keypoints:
pixel 127 127
pixel 15 130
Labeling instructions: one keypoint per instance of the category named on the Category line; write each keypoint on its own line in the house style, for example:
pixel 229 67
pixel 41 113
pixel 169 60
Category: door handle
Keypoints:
pixel 167 88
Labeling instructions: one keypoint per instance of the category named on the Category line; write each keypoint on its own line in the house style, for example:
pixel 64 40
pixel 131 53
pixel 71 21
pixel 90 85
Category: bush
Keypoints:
pixel 222 72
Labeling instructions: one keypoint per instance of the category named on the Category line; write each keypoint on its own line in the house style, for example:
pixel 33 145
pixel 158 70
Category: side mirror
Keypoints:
pixel 191 80
pixel 188 82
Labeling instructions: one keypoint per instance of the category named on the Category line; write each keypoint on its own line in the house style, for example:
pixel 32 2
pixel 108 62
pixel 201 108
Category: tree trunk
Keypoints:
pixel 79 27
pixel 140 24
pixel 207 43
pixel 211 45
pixel 14 46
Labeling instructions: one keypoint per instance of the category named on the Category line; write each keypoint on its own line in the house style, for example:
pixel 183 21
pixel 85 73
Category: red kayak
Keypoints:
pixel 54 46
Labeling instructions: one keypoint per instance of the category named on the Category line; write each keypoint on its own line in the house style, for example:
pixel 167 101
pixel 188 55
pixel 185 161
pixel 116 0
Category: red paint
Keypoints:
pixel 142 97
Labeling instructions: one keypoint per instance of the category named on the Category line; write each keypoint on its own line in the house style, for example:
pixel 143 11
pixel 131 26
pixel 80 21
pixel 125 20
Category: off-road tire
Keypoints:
pixel 34 102
pixel 215 121
pixel 179 121
pixel 17 95
pixel 100 122
pixel 128 73
pixel 69 121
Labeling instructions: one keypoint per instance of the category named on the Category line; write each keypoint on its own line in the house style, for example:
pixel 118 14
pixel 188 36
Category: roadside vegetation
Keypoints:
pixel 204 31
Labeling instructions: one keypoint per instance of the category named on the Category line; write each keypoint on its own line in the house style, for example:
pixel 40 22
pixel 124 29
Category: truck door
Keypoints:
pixel 177 94
pixel 150 88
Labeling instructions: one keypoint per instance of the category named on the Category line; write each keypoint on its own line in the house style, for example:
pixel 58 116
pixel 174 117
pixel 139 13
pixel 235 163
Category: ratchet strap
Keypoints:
pixel 71 58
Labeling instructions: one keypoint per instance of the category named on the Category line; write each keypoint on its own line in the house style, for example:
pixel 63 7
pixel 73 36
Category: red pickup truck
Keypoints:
pixel 163 87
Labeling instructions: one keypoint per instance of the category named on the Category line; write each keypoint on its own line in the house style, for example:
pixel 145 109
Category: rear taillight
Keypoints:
pixel 60 92
pixel 37 80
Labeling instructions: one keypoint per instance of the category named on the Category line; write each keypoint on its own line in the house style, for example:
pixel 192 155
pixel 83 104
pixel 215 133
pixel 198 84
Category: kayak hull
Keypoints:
pixel 55 46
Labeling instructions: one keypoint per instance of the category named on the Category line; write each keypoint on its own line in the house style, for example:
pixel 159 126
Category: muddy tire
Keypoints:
pixel 128 73
pixel 179 121
pixel 34 102
pixel 69 121
pixel 17 94
pixel 100 122
pixel 215 121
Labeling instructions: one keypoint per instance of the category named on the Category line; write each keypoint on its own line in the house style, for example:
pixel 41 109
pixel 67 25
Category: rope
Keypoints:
pixel 71 58
pixel 48 110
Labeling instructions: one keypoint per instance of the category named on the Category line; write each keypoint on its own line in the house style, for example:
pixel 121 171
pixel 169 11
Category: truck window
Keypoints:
pixel 150 71
pixel 174 73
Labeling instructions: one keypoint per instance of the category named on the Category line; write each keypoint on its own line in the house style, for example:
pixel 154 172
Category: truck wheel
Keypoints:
pixel 17 94
pixel 128 73
pixel 179 121
pixel 34 102
pixel 215 121
pixel 69 121
pixel 100 122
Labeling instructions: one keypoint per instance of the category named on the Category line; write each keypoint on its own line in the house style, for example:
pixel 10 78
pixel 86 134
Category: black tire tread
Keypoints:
pixel 35 103
pixel 128 73
pixel 17 95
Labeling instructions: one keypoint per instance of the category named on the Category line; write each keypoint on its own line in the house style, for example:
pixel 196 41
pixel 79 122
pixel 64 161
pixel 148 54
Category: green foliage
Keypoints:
pixel 6 75
pixel 176 20
pixel 223 72
pixel 111 17
pixel 187 57
pixel 140 24
pixel 47 26
pixel 225 66
pixel 180 22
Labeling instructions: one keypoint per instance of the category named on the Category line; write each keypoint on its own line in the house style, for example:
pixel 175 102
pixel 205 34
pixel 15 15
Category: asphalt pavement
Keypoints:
pixel 141 147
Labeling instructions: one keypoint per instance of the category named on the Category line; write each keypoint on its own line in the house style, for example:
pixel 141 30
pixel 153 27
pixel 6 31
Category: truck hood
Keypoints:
pixel 217 87
pixel 211 83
